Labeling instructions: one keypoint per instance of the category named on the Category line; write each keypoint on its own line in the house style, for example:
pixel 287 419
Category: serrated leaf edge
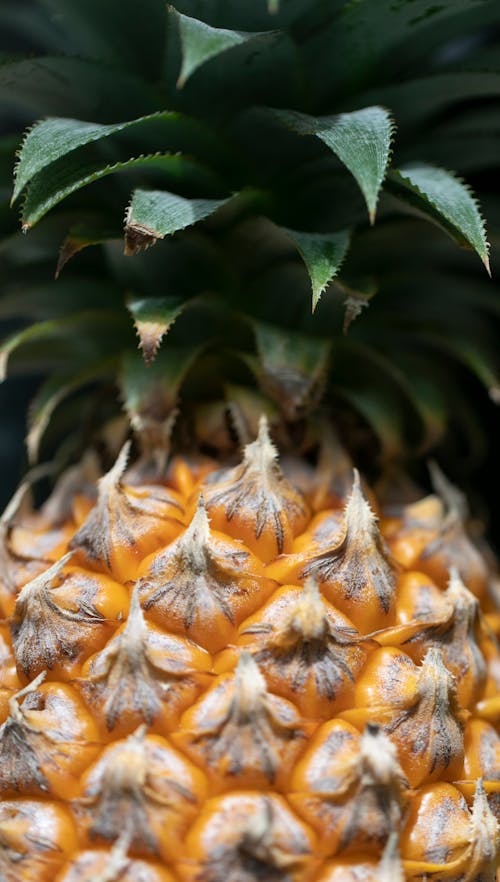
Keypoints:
pixel 452 174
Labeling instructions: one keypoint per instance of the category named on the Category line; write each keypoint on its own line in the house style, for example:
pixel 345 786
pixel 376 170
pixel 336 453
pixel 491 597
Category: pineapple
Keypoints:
pixel 225 654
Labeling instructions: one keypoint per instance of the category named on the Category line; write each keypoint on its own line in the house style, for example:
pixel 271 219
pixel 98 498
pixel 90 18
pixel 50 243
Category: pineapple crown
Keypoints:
pixel 282 158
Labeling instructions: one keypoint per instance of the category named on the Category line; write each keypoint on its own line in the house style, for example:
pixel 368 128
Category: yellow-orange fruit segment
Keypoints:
pixel 307 650
pixel 238 836
pixel 203 584
pixel 59 618
pixel 46 741
pixel 446 840
pixel 350 788
pixel 36 836
pixel 366 868
pixel 418 707
pixel 255 503
pixel 143 675
pixel 9 680
pixel 145 787
pixel 126 524
pixel 432 540
pixel 242 734
pixel 354 569
pixel 96 865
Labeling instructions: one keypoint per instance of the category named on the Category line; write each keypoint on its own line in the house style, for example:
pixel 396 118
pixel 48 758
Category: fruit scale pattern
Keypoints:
pixel 245 674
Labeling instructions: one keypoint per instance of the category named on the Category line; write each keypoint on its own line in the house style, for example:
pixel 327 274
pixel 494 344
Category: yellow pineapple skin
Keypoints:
pixel 217 678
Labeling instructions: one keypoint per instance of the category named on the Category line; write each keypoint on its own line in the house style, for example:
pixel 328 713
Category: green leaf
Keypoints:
pixel 361 140
pixel 291 367
pixel 200 42
pixel 51 393
pixel 150 393
pixel 444 198
pixel 77 326
pixel 322 255
pixel 379 390
pixel 154 214
pixel 51 139
pixel 69 175
pixel 153 316
pixel 82 236
pixel 479 357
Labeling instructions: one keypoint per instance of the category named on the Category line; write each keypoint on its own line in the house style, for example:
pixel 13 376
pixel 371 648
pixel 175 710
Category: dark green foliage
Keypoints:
pixel 258 142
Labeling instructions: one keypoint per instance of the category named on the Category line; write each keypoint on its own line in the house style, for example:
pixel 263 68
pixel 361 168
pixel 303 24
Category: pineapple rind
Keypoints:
pixel 300 746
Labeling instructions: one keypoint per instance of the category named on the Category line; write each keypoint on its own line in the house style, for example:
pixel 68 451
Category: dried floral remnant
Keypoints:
pixel 254 502
pixel 243 735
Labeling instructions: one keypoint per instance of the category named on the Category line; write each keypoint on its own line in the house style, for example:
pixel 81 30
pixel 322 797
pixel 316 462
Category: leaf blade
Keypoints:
pixel 200 42
pixel 154 214
pixel 65 177
pixel 447 200
pixel 291 367
pixel 323 255
pixel 51 393
pixel 153 317
pixel 64 326
pixel 51 139
pixel 361 140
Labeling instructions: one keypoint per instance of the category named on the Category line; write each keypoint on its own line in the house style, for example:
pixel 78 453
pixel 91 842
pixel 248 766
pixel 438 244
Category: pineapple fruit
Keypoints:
pixel 226 656
pixel 219 677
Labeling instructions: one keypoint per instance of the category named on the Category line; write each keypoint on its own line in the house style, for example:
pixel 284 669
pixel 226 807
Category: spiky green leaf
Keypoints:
pixel 69 175
pixel 154 214
pixel 361 140
pixel 51 139
pixel 153 316
pixel 323 255
pixel 200 42
pixel 444 198
pixel 82 236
